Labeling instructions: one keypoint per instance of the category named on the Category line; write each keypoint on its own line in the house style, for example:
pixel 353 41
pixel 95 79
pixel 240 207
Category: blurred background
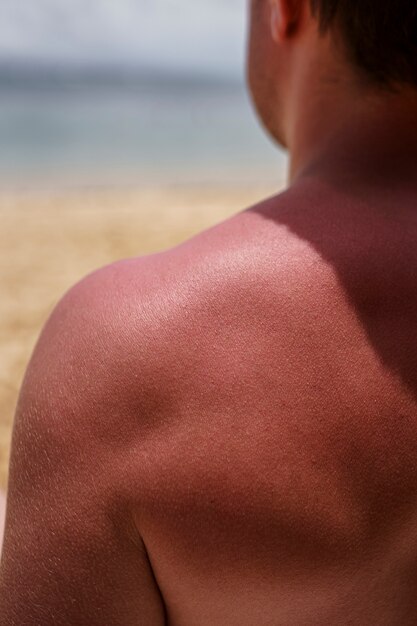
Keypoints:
pixel 127 92
pixel 125 128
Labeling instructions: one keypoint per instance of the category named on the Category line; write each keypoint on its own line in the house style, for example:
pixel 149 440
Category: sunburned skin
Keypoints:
pixel 287 491
pixel 230 437
pixel 2 516
pixel 225 433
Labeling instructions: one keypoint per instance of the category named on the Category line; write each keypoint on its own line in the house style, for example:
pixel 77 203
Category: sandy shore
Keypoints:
pixel 49 240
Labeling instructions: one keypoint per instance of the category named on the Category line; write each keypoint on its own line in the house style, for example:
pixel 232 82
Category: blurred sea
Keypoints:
pixel 107 127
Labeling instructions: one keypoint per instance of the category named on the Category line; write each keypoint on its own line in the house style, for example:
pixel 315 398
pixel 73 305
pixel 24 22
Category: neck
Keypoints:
pixel 354 135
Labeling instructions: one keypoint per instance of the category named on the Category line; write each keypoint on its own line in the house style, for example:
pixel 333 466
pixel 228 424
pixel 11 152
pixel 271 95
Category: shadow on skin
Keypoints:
pixel 375 267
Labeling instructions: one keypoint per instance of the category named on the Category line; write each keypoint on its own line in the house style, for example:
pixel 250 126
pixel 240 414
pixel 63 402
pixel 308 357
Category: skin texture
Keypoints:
pixel 2 516
pixel 225 433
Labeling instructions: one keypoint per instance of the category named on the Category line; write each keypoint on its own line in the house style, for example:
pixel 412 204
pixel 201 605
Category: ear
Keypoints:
pixel 284 18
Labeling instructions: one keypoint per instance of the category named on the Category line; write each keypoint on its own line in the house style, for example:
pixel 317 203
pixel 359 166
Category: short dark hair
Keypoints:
pixel 380 36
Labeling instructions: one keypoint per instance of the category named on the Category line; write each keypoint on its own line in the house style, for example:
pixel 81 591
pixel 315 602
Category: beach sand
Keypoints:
pixel 50 240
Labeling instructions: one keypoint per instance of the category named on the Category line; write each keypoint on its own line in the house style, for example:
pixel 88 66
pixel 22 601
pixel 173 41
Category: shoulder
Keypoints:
pixel 91 398
pixel 81 410
pixel 139 319
pixel 100 348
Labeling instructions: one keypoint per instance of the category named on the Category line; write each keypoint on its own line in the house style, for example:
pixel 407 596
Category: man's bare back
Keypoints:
pixel 266 437
pixel 284 491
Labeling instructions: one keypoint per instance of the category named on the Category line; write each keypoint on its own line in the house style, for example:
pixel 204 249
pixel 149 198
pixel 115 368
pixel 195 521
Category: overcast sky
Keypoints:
pixel 202 35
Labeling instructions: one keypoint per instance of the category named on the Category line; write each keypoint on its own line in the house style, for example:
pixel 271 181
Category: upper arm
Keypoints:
pixel 72 554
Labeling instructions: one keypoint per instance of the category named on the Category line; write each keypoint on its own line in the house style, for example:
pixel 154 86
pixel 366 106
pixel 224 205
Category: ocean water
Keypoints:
pixel 85 130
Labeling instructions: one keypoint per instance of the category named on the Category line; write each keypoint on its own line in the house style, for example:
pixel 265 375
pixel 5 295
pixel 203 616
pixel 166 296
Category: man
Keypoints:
pixel 225 433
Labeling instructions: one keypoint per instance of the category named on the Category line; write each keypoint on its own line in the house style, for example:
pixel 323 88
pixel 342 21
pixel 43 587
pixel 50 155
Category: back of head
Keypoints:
pixel 380 36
